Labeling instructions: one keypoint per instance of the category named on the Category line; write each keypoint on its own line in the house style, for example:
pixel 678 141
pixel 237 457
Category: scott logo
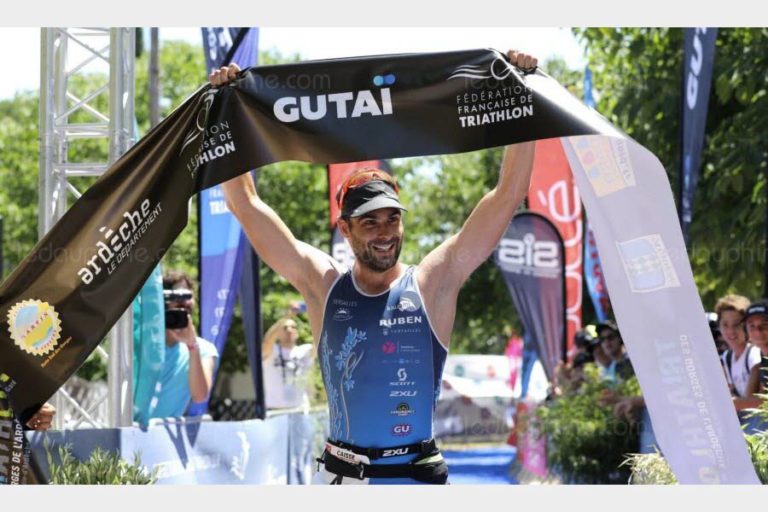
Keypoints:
pixel 401 430
pixel 388 347
pixel 401 374
pixel 289 109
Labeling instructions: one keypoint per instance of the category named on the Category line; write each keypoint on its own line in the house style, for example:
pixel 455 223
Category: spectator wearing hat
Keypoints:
pixel 756 323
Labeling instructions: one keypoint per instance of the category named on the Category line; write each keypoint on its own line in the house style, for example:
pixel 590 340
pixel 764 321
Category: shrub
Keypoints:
pixel 103 468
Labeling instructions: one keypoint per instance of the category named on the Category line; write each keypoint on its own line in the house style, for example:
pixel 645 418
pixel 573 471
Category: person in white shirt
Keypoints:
pixel 741 362
pixel 285 365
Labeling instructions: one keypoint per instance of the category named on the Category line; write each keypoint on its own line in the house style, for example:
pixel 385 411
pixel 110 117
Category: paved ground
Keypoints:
pixel 480 465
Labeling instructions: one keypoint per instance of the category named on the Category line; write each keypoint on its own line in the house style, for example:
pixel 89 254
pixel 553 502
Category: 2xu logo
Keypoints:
pixel 528 252
pixel 395 452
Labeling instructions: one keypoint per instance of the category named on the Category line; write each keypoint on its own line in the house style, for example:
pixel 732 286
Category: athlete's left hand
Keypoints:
pixel 43 418
pixel 522 60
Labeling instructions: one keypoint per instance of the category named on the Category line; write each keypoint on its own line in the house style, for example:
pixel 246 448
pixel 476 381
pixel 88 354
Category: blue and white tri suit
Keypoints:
pixel 382 366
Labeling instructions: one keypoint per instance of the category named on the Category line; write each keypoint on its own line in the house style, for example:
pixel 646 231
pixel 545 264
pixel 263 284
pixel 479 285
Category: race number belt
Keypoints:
pixel 421 448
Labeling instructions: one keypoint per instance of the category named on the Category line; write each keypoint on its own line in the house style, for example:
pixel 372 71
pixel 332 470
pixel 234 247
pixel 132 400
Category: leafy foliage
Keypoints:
pixel 638 76
pixel 653 469
pixel 586 442
pixel 102 468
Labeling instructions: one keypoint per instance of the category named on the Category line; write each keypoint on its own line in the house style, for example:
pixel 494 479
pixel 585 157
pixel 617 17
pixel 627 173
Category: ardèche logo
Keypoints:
pixel 34 326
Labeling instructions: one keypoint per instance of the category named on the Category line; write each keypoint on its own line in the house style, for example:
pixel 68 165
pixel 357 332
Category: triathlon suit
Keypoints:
pixel 382 366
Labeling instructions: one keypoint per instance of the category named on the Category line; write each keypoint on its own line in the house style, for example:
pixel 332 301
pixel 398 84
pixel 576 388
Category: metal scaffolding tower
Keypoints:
pixel 72 117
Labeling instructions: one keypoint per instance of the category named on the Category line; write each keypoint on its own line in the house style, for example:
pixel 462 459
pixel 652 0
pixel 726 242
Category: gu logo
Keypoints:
pixel 401 430
pixel 647 264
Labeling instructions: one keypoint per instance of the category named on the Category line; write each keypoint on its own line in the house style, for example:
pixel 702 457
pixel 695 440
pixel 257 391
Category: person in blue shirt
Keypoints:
pixel 190 360
pixel 381 328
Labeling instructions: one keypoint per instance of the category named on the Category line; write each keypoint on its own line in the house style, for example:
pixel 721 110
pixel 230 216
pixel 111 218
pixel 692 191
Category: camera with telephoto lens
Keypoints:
pixel 176 318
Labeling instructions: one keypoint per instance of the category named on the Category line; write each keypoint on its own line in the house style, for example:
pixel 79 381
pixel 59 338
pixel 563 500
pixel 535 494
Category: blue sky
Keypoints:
pixel 20 47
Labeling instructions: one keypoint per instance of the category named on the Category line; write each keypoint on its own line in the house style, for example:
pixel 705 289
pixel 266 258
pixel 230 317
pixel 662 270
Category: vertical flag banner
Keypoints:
pixel 554 195
pixel 220 235
pixel 531 258
pixel 593 271
pixel 54 311
pixel 698 61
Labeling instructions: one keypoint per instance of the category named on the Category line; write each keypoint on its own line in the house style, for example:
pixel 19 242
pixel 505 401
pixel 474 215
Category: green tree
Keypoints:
pixel 638 75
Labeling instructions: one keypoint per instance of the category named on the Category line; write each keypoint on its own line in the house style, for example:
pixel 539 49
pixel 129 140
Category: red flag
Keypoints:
pixel 553 194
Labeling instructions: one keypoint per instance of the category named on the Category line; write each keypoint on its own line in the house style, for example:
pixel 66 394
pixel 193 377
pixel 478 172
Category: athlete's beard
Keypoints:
pixel 366 255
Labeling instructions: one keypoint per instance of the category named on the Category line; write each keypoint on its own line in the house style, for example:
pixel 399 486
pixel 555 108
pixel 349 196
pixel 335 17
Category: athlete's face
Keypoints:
pixel 732 326
pixel 376 238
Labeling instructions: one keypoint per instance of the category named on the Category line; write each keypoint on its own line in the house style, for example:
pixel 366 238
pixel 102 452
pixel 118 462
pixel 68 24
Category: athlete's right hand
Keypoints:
pixel 223 75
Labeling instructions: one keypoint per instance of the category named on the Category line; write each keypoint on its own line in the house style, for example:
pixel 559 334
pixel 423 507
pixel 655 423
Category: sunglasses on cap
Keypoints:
pixel 361 178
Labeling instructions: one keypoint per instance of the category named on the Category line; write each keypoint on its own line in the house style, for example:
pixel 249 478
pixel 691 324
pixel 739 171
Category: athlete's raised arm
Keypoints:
pixel 309 270
pixel 444 270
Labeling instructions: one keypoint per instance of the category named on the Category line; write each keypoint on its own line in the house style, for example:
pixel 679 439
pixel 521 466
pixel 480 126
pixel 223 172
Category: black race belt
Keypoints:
pixel 421 448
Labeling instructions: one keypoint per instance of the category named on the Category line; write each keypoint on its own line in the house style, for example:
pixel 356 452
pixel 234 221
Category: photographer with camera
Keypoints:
pixel 190 360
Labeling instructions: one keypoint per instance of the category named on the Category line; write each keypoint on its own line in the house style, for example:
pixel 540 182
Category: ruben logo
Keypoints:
pixel 401 320
pixel 34 326
pixel 342 105
pixel 647 264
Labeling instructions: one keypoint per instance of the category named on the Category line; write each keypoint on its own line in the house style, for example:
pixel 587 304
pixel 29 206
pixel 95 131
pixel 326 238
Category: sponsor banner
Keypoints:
pixel 531 258
pixel 658 309
pixel 148 345
pixel 14 449
pixel 66 294
pixel 250 305
pixel 554 195
pixel 698 60
pixel 593 272
pixel 207 452
pixel 219 232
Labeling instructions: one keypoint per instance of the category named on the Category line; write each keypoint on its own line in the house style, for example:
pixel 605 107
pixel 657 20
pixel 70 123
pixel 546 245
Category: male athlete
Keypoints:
pixel 381 328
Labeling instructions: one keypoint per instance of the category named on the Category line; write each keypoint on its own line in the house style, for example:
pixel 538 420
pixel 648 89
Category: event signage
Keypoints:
pixel 531 258
pixel 51 319
pixel 698 59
